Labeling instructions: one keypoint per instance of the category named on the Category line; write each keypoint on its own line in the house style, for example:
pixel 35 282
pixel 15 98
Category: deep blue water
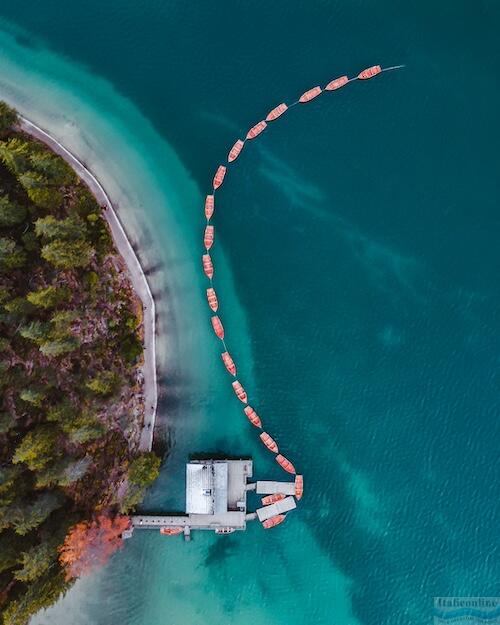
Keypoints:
pixel 361 234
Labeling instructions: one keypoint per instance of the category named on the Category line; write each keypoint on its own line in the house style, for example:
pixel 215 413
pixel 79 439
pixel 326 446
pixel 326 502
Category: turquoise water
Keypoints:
pixel 358 261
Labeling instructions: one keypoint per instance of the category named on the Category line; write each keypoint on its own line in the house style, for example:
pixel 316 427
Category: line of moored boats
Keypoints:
pixel 212 299
pixel 208 268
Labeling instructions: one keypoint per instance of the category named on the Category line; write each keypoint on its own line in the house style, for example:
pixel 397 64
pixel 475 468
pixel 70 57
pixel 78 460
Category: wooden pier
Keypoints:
pixel 216 500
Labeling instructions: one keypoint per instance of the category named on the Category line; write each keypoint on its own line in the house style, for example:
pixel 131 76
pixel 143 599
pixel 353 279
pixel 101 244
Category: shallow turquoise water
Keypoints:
pixel 357 248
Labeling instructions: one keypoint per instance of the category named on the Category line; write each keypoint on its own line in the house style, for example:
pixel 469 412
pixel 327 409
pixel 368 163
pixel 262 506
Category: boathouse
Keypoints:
pixel 216 498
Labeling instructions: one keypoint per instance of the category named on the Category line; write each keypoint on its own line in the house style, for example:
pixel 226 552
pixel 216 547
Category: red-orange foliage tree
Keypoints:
pixel 91 543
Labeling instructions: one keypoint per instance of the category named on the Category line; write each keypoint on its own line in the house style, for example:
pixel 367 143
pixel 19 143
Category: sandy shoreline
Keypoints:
pixel 137 276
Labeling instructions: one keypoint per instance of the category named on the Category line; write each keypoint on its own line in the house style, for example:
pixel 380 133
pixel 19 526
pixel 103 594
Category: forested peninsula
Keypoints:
pixel 72 406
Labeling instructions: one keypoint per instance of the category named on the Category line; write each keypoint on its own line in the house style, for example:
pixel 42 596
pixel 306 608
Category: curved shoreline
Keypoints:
pixel 137 275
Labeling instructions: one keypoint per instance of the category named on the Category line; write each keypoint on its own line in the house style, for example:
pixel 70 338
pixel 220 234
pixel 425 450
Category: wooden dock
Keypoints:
pixel 216 500
pixel 234 520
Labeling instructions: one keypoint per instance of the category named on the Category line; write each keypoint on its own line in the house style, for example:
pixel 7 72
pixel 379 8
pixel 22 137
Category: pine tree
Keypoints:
pixel 57 347
pixel 48 297
pixel 32 180
pixel 9 550
pixel 104 383
pixel 38 447
pixel 53 167
pixel 19 306
pixel 8 117
pixel 11 255
pixel 10 212
pixel 51 228
pixel 63 472
pixel 15 155
pixel 7 423
pixel 36 560
pixel 42 593
pixel 68 254
pixel 33 396
pixel 36 331
pixel 49 198
pixel 144 470
pixel 28 516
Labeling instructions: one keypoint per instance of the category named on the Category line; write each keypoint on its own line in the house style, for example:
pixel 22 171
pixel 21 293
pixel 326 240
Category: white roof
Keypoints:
pixel 276 508
pixel 271 488
pixel 206 487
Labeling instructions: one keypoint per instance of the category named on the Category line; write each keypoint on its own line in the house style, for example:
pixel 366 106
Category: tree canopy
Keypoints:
pixel 91 543
pixel 69 380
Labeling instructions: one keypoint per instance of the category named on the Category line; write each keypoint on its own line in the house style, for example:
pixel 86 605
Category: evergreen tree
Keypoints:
pixel 11 255
pixel 33 396
pixel 80 428
pixel 11 484
pixel 19 306
pixel 57 347
pixel 15 155
pixel 8 117
pixel 53 167
pixel 9 550
pixel 36 560
pixel 48 297
pixel 63 472
pixel 144 469
pixel 87 433
pixel 42 593
pixel 68 254
pixel 32 180
pixel 28 516
pixel 10 212
pixel 51 228
pixel 36 331
pixel 38 447
pixel 52 434
pixel 30 242
pixel 7 423
pixel 105 383
pixel 61 412
pixel 49 198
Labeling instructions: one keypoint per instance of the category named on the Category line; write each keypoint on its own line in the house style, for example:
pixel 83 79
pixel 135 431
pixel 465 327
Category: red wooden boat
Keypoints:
pixel 208 267
pixel 256 130
pixel 276 112
pixel 310 94
pixel 299 486
pixel 212 299
pixel 269 442
pixel 369 72
pixel 218 327
pixel 229 363
pixel 337 83
pixel 208 238
pixel 269 499
pixel 219 176
pixel 171 531
pixel 234 152
pixel 240 391
pixel 253 417
pixel 285 463
pixel 273 521
pixel 209 206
